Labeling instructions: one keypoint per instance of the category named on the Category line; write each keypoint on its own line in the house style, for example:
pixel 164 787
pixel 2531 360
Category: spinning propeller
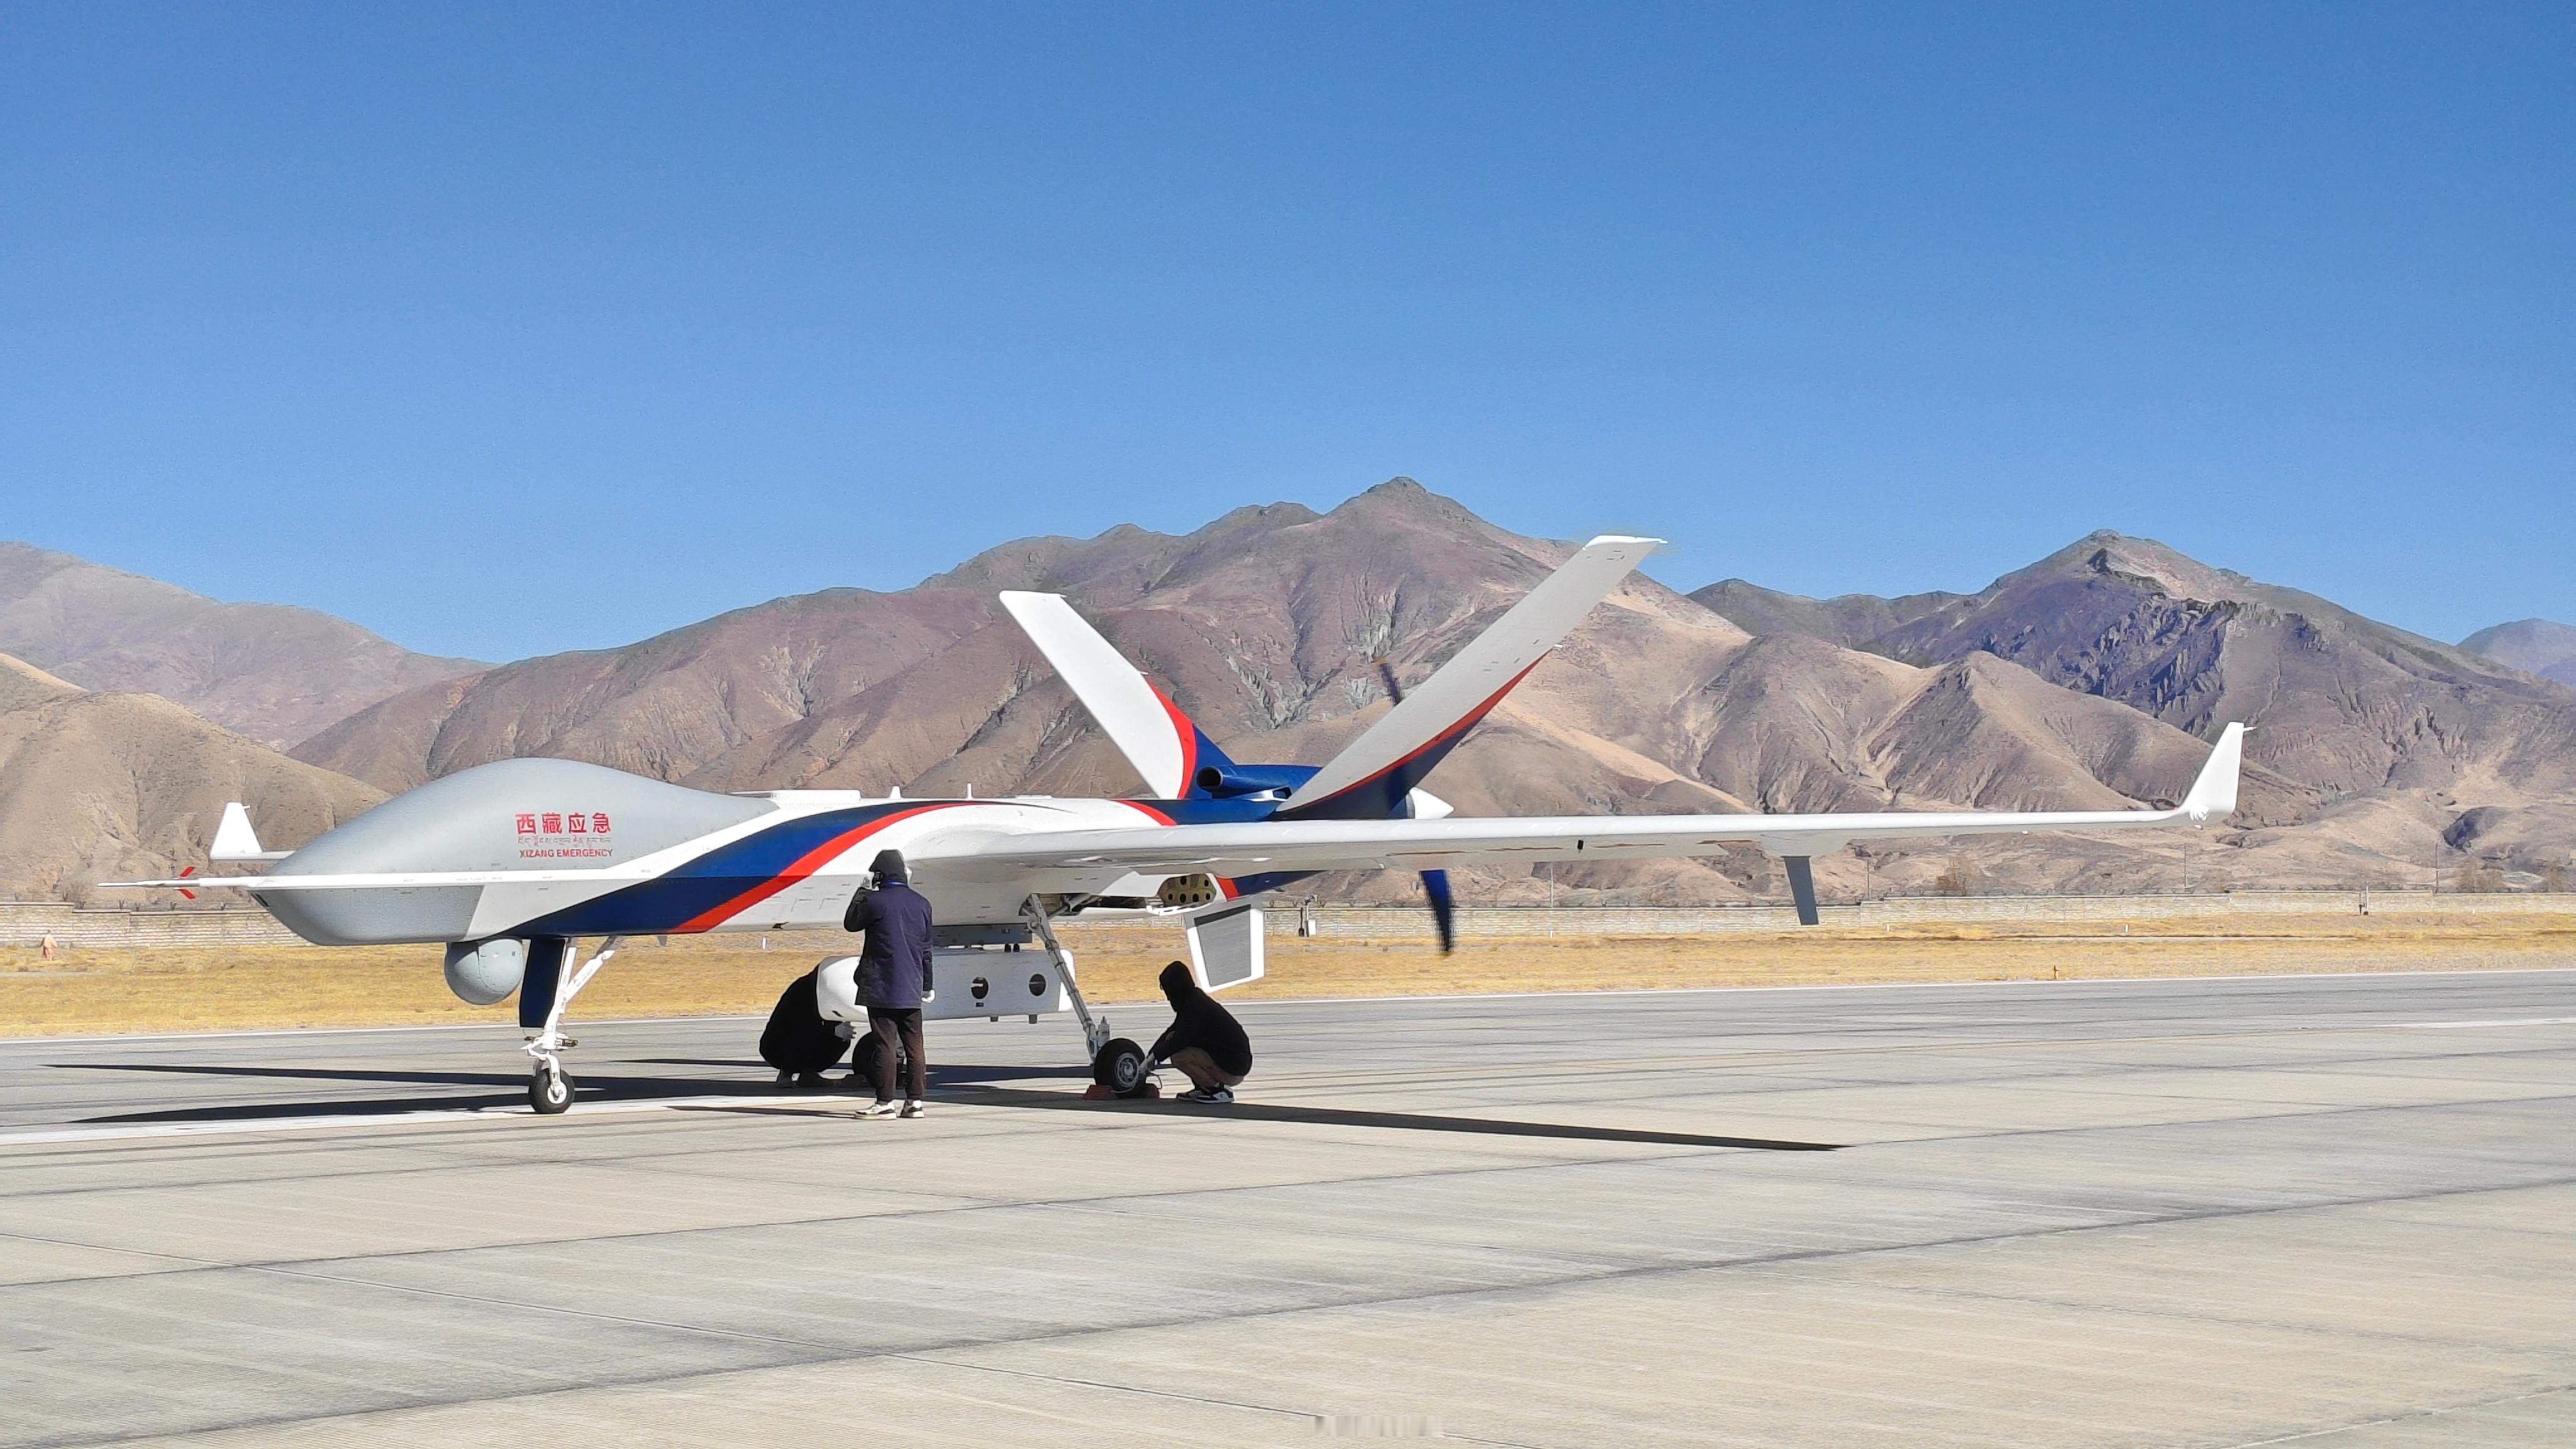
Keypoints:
pixel 1435 883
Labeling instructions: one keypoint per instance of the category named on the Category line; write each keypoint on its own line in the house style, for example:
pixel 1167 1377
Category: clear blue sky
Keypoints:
pixel 512 329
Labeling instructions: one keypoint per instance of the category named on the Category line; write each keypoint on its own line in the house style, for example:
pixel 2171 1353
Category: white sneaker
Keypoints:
pixel 915 1107
pixel 1218 1096
pixel 877 1109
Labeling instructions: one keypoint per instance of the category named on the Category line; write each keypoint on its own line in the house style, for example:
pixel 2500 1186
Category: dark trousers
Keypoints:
pixel 899 1027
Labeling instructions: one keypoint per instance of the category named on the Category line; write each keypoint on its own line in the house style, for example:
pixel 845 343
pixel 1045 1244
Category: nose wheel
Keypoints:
pixel 549 1090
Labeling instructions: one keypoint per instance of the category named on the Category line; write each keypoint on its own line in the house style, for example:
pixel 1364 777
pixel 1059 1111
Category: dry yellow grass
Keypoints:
pixel 93 991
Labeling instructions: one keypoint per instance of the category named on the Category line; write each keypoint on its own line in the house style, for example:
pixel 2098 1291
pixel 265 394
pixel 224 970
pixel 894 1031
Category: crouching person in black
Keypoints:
pixel 798 1041
pixel 894 979
pixel 1205 1041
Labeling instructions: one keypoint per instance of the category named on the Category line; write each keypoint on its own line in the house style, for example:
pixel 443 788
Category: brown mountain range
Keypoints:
pixel 1265 625
pixel 270 671
pixel 2089 680
pixel 97 785
pixel 2373 746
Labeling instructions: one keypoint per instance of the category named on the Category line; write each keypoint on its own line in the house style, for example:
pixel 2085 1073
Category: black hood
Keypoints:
pixel 888 868
pixel 1178 987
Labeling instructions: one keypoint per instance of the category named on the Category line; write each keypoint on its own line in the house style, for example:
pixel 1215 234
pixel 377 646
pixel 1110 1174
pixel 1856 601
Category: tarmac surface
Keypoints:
pixel 2332 1211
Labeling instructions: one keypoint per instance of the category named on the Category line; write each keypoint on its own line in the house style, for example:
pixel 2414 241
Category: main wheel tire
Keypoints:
pixel 1120 1067
pixel 549 1092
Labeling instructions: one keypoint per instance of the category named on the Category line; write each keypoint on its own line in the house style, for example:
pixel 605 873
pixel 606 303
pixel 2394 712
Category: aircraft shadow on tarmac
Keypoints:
pixel 1338 1117
pixel 504 1089
pixel 966 1085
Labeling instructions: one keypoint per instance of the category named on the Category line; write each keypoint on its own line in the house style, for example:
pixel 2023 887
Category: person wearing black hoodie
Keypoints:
pixel 1205 1041
pixel 894 979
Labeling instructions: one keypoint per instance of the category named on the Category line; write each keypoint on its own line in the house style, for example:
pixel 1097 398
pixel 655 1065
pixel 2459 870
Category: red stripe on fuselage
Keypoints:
pixel 797 869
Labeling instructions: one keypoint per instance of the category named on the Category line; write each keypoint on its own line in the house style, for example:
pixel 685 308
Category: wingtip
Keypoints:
pixel 2213 794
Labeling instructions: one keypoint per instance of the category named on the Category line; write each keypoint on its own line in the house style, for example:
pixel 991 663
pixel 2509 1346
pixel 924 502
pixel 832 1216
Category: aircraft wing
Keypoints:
pixel 1262 847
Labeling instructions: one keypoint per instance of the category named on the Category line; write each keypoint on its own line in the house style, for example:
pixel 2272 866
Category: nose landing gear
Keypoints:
pixel 549 1088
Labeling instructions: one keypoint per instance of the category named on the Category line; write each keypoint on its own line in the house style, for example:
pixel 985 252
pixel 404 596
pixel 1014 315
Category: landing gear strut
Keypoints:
pixel 1095 1029
pixel 549 1089
pixel 1116 1063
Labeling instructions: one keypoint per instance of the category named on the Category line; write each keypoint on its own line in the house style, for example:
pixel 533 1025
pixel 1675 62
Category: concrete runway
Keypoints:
pixel 2335 1211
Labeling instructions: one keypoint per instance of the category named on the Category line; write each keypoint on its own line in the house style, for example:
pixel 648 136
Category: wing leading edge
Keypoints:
pixel 1310 845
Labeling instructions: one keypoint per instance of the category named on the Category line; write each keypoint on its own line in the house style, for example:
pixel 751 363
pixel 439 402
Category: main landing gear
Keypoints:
pixel 1120 1065
pixel 549 1088
pixel 1116 1063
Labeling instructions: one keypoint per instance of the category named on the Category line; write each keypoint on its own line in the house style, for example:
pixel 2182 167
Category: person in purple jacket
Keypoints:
pixel 894 979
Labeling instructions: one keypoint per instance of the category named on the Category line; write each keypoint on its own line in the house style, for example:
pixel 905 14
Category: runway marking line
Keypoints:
pixel 2465 1025
pixel 432 1116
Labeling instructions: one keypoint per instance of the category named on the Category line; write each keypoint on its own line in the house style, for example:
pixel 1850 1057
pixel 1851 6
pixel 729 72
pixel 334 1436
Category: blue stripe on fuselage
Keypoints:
pixel 729 872
pixel 687 891
pixel 668 902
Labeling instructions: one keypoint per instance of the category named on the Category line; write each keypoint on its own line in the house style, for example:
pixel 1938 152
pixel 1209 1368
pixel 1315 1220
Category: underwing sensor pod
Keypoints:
pixel 512 866
pixel 484 973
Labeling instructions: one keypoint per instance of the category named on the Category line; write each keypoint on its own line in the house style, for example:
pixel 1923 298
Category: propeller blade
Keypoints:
pixel 1386 671
pixel 1444 910
pixel 1435 883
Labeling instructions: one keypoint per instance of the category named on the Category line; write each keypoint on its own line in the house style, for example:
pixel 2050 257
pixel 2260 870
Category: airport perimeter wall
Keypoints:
pixel 28 923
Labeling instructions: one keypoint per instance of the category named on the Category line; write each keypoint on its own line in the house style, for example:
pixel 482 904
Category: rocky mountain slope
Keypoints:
pixel 269 671
pixel 1851 620
pixel 2090 679
pixel 1266 626
pixel 2371 744
pixel 101 785
pixel 662 707
pixel 2535 646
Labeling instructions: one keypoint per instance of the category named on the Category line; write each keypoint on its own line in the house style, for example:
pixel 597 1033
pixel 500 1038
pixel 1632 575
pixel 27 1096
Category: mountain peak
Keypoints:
pixel 2536 646
pixel 2108 553
pixel 1401 498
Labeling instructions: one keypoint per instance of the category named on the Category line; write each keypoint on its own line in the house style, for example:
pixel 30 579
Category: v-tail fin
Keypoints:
pixel 1372 775
pixel 1166 748
pixel 235 841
